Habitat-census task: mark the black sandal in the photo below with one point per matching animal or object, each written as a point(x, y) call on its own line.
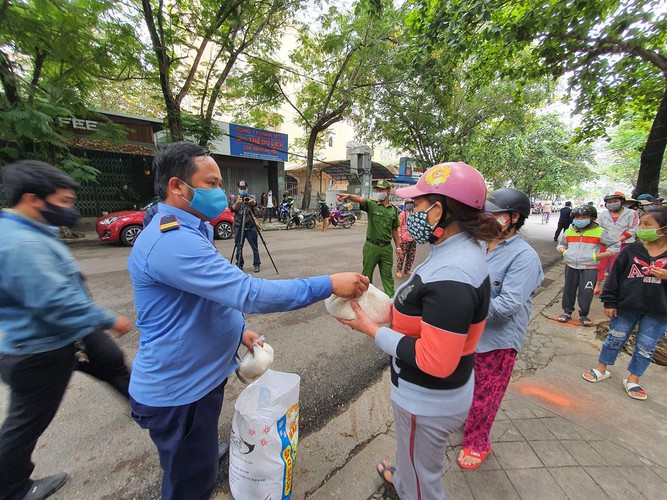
point(384, 467)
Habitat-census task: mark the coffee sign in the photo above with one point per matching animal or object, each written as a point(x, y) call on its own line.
point(78, 123)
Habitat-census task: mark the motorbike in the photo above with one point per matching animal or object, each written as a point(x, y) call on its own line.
point(302, 219)
point(345, 219)
point(284, 211)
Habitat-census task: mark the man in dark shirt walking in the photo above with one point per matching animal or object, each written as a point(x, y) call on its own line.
point(564, 220)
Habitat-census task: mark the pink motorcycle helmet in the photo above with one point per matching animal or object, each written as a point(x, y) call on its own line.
point(456, 180)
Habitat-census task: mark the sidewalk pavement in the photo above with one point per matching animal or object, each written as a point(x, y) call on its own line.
point(555, 437)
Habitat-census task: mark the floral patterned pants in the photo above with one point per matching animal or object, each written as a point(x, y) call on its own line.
point(406, 255)
point(493, 370)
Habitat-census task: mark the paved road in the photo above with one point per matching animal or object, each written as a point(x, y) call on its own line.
point(108, 456)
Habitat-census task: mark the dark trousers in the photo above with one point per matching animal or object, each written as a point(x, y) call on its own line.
point(579, 283)
point(37, 384)
point(268, 212)
point(186, 438)
point(251, 238)
point(562, 226)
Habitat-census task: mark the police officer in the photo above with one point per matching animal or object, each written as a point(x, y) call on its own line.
point(190, 302)
point(243, 206)
point(382, 228)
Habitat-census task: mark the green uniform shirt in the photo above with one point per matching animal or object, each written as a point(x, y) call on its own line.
point(381, 221)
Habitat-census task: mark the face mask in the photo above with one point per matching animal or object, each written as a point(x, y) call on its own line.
point(648, 234)
point(418, 227)
point(380, 196)
point(60, 216)
point(409, 207)
point(270, 193)
point(581, 223)
point(614, 207)
point(243, 192)
point(504, 220)
point(208, 202)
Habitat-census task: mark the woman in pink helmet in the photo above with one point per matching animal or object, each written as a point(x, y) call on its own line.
point(437, 318)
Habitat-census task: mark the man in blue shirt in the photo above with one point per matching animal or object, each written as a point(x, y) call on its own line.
point(49, 326)
point(190, 303)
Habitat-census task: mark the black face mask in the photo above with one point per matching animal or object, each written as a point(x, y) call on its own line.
point(60, 216)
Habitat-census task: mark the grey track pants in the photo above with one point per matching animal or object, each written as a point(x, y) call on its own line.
point(421, 443)
point(579, 283)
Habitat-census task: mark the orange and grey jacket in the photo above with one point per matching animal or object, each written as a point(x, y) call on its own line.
point(582, 246)
point(437, 319)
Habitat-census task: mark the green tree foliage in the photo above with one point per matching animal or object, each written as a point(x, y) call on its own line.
point(197, 45)
point(329, 69)
point(539, 158)
point(613, 53)
point(53, 54)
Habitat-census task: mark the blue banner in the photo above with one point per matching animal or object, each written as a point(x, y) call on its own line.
point(251, 142)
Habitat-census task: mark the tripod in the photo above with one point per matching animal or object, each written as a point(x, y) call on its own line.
point(240, 242)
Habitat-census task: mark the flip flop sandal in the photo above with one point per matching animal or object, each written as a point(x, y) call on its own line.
point(468, 453)
point(564, 318)
point(594, 375)
point(585, 321)
point(384, 467)
point(635, 391)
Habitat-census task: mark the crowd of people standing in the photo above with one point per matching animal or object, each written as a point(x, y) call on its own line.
point(458, 320)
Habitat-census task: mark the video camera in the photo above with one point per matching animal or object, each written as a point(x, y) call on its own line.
point(246, 199)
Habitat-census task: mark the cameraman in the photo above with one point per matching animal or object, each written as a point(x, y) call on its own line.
point(243, 206)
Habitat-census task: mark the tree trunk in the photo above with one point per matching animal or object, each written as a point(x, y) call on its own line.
point(308, 187)
point(654, 151)
point(174, 119)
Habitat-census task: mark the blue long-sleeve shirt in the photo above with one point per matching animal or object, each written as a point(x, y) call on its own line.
point(190, 303)
point(44, 303)
point(516, 272)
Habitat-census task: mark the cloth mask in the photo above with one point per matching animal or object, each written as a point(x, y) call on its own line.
point(60, 216)
point(243, 192)
point(504, 220)
point(208, 202)
point(614, 207)
point(418, 227)
point(581, 223)
point(649, 234)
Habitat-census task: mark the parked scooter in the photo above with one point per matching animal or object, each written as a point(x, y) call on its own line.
point(345, 219)
point(302, 219)
point(284, 211)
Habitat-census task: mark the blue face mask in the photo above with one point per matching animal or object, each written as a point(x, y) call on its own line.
point(409, 207)
point(581, 223)
point(208, 202)
point(243, 192)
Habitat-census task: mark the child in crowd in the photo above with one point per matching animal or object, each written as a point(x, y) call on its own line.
point(636, 292)
point(406, 254)
point(580, 246)
point(621, 225)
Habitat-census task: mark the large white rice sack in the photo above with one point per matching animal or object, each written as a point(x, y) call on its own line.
point(374, 302)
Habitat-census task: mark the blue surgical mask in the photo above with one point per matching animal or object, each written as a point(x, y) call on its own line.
point(208, 202)
point(409, 207)
point(581, 223)
point(243, 192)
point(418, 227)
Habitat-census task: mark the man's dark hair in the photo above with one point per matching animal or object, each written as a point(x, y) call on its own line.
point(35, 177)
point(175, 160)
point(568, 203)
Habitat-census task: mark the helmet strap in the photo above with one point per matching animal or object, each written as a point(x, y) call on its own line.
point(440, 226)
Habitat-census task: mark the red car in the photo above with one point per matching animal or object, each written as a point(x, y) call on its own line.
point(125, 226)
